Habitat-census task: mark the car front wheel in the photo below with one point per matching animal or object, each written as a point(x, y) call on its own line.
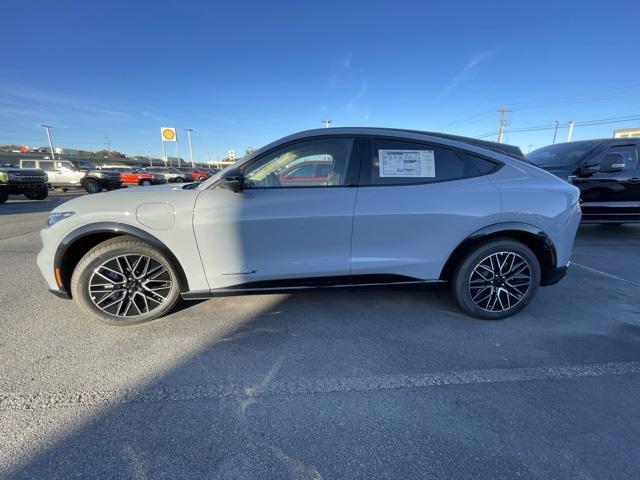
point(125, 281)
point(496, 279)
point(92, 186)
point(39, 194)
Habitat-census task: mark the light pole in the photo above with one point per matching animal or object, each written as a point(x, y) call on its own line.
point(47, 128)
point(327, 123)
point(189, 130)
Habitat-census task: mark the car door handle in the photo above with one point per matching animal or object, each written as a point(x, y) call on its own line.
point(634, 180)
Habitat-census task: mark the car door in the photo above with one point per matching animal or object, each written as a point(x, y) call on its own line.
point(612, 190)
point(281, 234)
point(416, 203)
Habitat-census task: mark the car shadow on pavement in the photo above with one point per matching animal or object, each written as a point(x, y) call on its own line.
point(295, 388)
point(205, 417)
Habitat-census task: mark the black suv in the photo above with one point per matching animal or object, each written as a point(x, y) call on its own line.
point(606, 171)
point(15, 181)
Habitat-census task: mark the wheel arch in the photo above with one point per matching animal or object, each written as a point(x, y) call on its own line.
point(79, 241)
point(533, 237)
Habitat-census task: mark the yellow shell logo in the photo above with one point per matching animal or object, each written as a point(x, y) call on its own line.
point(168, 134)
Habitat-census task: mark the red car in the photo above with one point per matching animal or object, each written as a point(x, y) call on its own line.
point(134, 175)
point(306, 173)
point(198, 175)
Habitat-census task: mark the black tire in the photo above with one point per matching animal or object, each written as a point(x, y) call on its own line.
point(106, 252)
point(92, 186)
point(508, 294)
point(4, 196)
point(179, 180)
point(145, 183)
point(40, 194)
point(64, 189)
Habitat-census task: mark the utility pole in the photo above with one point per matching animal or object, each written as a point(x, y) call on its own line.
point(570, 134)
point(327, 123)
point(189, 130)
point(47, 128)
point(555, 132)
point(149, 158)
point(502, 122)
point(107, 144)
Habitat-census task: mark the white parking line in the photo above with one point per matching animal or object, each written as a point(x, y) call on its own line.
point(43, 400)
point(605, 274)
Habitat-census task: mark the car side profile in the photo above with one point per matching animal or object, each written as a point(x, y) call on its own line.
point(397, 208)
point(607, 172)
point(172, 174)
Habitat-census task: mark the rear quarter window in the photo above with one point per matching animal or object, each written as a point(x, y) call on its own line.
point(398, 162)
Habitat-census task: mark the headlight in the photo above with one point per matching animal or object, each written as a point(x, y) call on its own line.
point(4, 177)
point(56, 217)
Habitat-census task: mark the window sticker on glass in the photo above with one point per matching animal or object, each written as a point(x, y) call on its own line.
point(406, 163)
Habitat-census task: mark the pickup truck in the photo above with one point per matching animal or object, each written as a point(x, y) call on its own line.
point(607, 172)
point(15, 181)
point(65, 174)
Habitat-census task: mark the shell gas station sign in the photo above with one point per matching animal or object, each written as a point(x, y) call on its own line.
point(168, 134)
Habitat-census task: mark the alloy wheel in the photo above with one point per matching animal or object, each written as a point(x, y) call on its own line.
point(500, 281)
point(130, 285)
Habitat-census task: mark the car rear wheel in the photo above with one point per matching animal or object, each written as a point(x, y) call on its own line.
point(3, 196)
point(179, 180)
point(40, 194)
point(496, 279)
point(92, 186)
point(125, 281)
point(145, 183)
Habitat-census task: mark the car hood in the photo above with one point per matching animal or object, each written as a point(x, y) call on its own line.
point(561, 171)
point(125, 201)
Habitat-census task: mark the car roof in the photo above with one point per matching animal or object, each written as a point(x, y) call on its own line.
point(409, 134)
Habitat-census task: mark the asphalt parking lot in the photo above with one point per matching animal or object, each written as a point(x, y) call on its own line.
point(326, 384)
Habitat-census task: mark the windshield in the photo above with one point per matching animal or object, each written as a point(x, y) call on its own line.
point(84, 164)
point(560, 154)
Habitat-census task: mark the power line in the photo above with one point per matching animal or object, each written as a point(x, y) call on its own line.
point(601, 121)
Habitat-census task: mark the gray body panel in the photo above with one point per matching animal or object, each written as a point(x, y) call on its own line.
point(222, 239)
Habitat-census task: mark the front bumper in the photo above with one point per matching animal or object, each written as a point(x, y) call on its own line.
point(19, 188)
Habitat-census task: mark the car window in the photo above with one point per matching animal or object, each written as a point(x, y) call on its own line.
point(560, 154)
point(63, 165)
point(271, 171)
point(628, 153)
point(323, 170)
point(307, 170)
point(28, 164)
point(47, 166)
point(395, 162)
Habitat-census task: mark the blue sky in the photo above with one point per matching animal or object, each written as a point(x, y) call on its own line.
point(244, 73)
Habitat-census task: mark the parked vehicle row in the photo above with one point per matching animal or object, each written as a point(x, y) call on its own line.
point(66, 174)
point(377, 207)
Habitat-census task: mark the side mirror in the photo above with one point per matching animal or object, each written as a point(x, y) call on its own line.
point(613, 162)
point(232, 180)
point(588, 169)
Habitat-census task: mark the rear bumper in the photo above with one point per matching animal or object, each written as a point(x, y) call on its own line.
point(60, 293)
point(553, 276)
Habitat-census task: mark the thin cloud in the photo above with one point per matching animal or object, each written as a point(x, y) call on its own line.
point(41, 98)
point(347, 61)
point(363, 91)
point(466, 71)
